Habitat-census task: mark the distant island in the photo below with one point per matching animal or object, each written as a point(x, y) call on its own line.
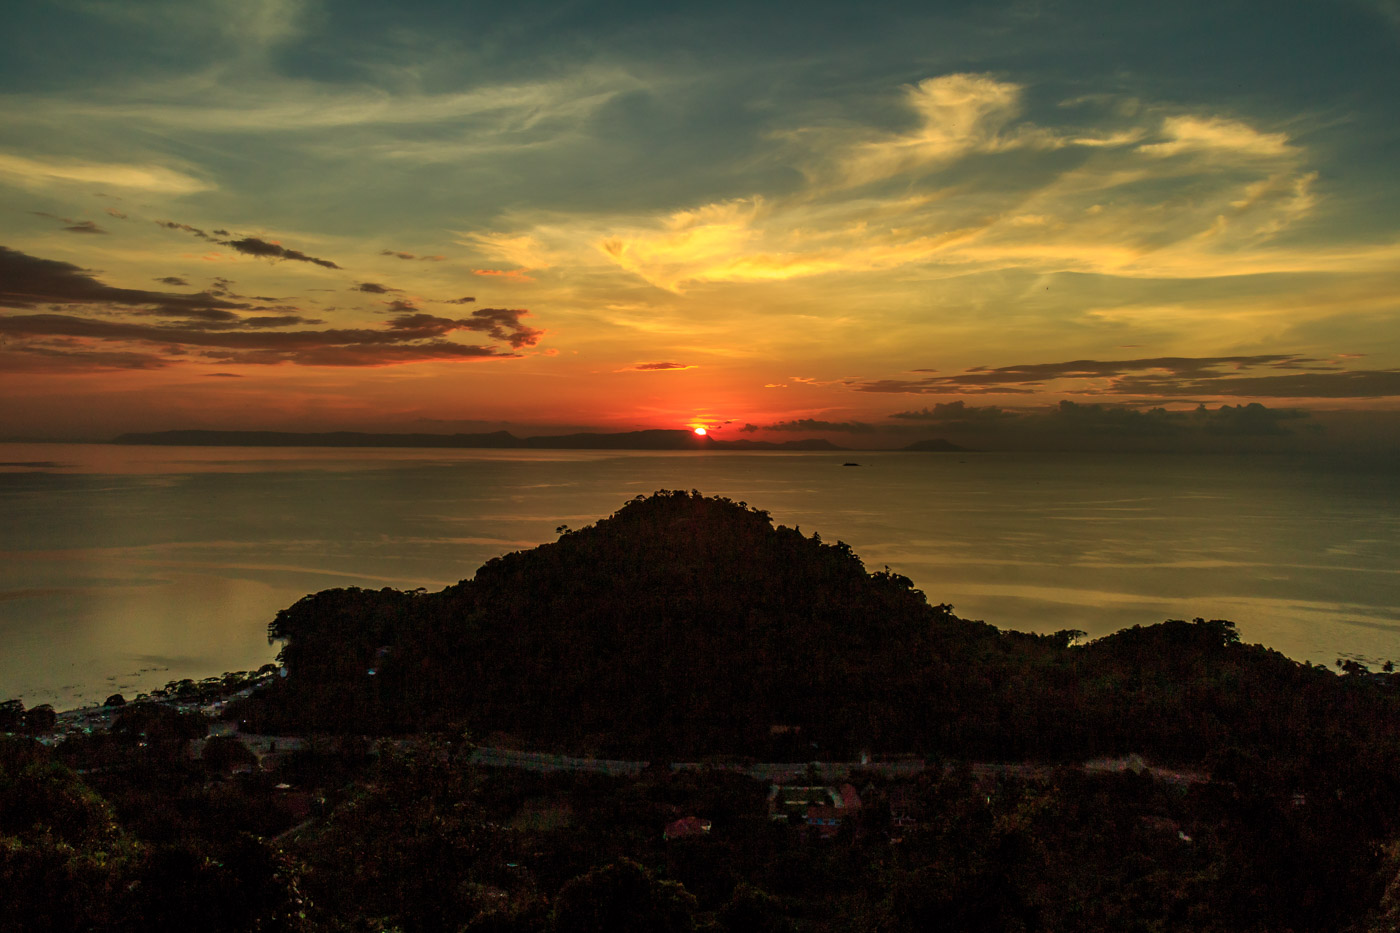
point(492, 440)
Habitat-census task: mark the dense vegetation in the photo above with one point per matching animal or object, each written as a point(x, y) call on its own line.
point(685, 626)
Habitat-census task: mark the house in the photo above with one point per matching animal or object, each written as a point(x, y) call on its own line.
point(827, 818)
point(825, 808)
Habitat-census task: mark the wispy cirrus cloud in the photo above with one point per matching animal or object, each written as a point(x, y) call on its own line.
point(509, 114)
point(1151, 193)
point(958, 114)
point(153, 178)
point(657, 367)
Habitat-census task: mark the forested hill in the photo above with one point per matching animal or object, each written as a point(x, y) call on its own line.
point(687, 625)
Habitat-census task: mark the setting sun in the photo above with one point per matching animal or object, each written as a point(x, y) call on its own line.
point(701, 431)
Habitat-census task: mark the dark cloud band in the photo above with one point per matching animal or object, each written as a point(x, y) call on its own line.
point(210, 327)
point(1292, 377)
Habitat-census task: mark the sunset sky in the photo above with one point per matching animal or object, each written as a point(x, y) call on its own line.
point(866, 222)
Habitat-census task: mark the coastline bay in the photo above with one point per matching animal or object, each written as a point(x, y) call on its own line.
point(124, 568)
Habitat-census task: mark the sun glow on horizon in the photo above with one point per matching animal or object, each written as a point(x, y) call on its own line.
point(701, 431)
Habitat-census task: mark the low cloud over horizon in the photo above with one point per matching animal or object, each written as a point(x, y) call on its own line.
point(1109, 420)
point(1302, 377)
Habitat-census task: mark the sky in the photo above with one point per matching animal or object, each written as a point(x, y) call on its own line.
point(1023, 222)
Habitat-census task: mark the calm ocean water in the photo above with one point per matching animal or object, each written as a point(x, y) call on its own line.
point(122, 568)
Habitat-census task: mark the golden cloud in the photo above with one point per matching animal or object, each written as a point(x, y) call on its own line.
point(1205, 196)
point(156, 178)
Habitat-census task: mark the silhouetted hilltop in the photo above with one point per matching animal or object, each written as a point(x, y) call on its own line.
point(680, 622)
point(504, 440)
point(684, 625)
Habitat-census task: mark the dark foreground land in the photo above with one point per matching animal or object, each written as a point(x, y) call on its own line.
point(1162, 778)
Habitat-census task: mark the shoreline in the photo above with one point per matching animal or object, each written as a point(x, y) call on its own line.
point(207, 697)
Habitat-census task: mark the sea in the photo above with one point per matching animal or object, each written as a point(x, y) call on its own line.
point(123, 568)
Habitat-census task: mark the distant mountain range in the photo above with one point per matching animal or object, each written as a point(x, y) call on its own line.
point(493, 440)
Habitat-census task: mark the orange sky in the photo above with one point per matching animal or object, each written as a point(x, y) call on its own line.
point(301, 216)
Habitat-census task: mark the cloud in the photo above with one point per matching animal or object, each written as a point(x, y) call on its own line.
point(249, 245)
point(277, 320)
point(153, 178)
point(209, 328)
point(172, 280)
point(958, 114)
point(409, 338)
point(1097, 420)
point(1373, 383)
point(1011, 378)
point(430, 351)
point(655, 367)
point(1147, 191)
point(41, 360)
point(286, 105)
point(1252, 420)
point(466, 300)
point(410, 256)
point(516, 275)
point(28, 281)
point(1189, 133)
point(1307, 377)
point(519, 249)
point(956, 414)
point(374, 288)
point(250, 26)
point(74, 226)
point(253, 246)
point(503, 324)
point(193, 231)
point(812, 424)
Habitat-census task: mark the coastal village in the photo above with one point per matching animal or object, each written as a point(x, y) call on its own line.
point(530, 826)
point(412, 774)
point(817, 795)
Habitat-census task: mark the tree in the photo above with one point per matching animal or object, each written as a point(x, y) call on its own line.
point(623, 897)
point(753, 910)
point(12, 716)
point(225, 753)
point(40, 720)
